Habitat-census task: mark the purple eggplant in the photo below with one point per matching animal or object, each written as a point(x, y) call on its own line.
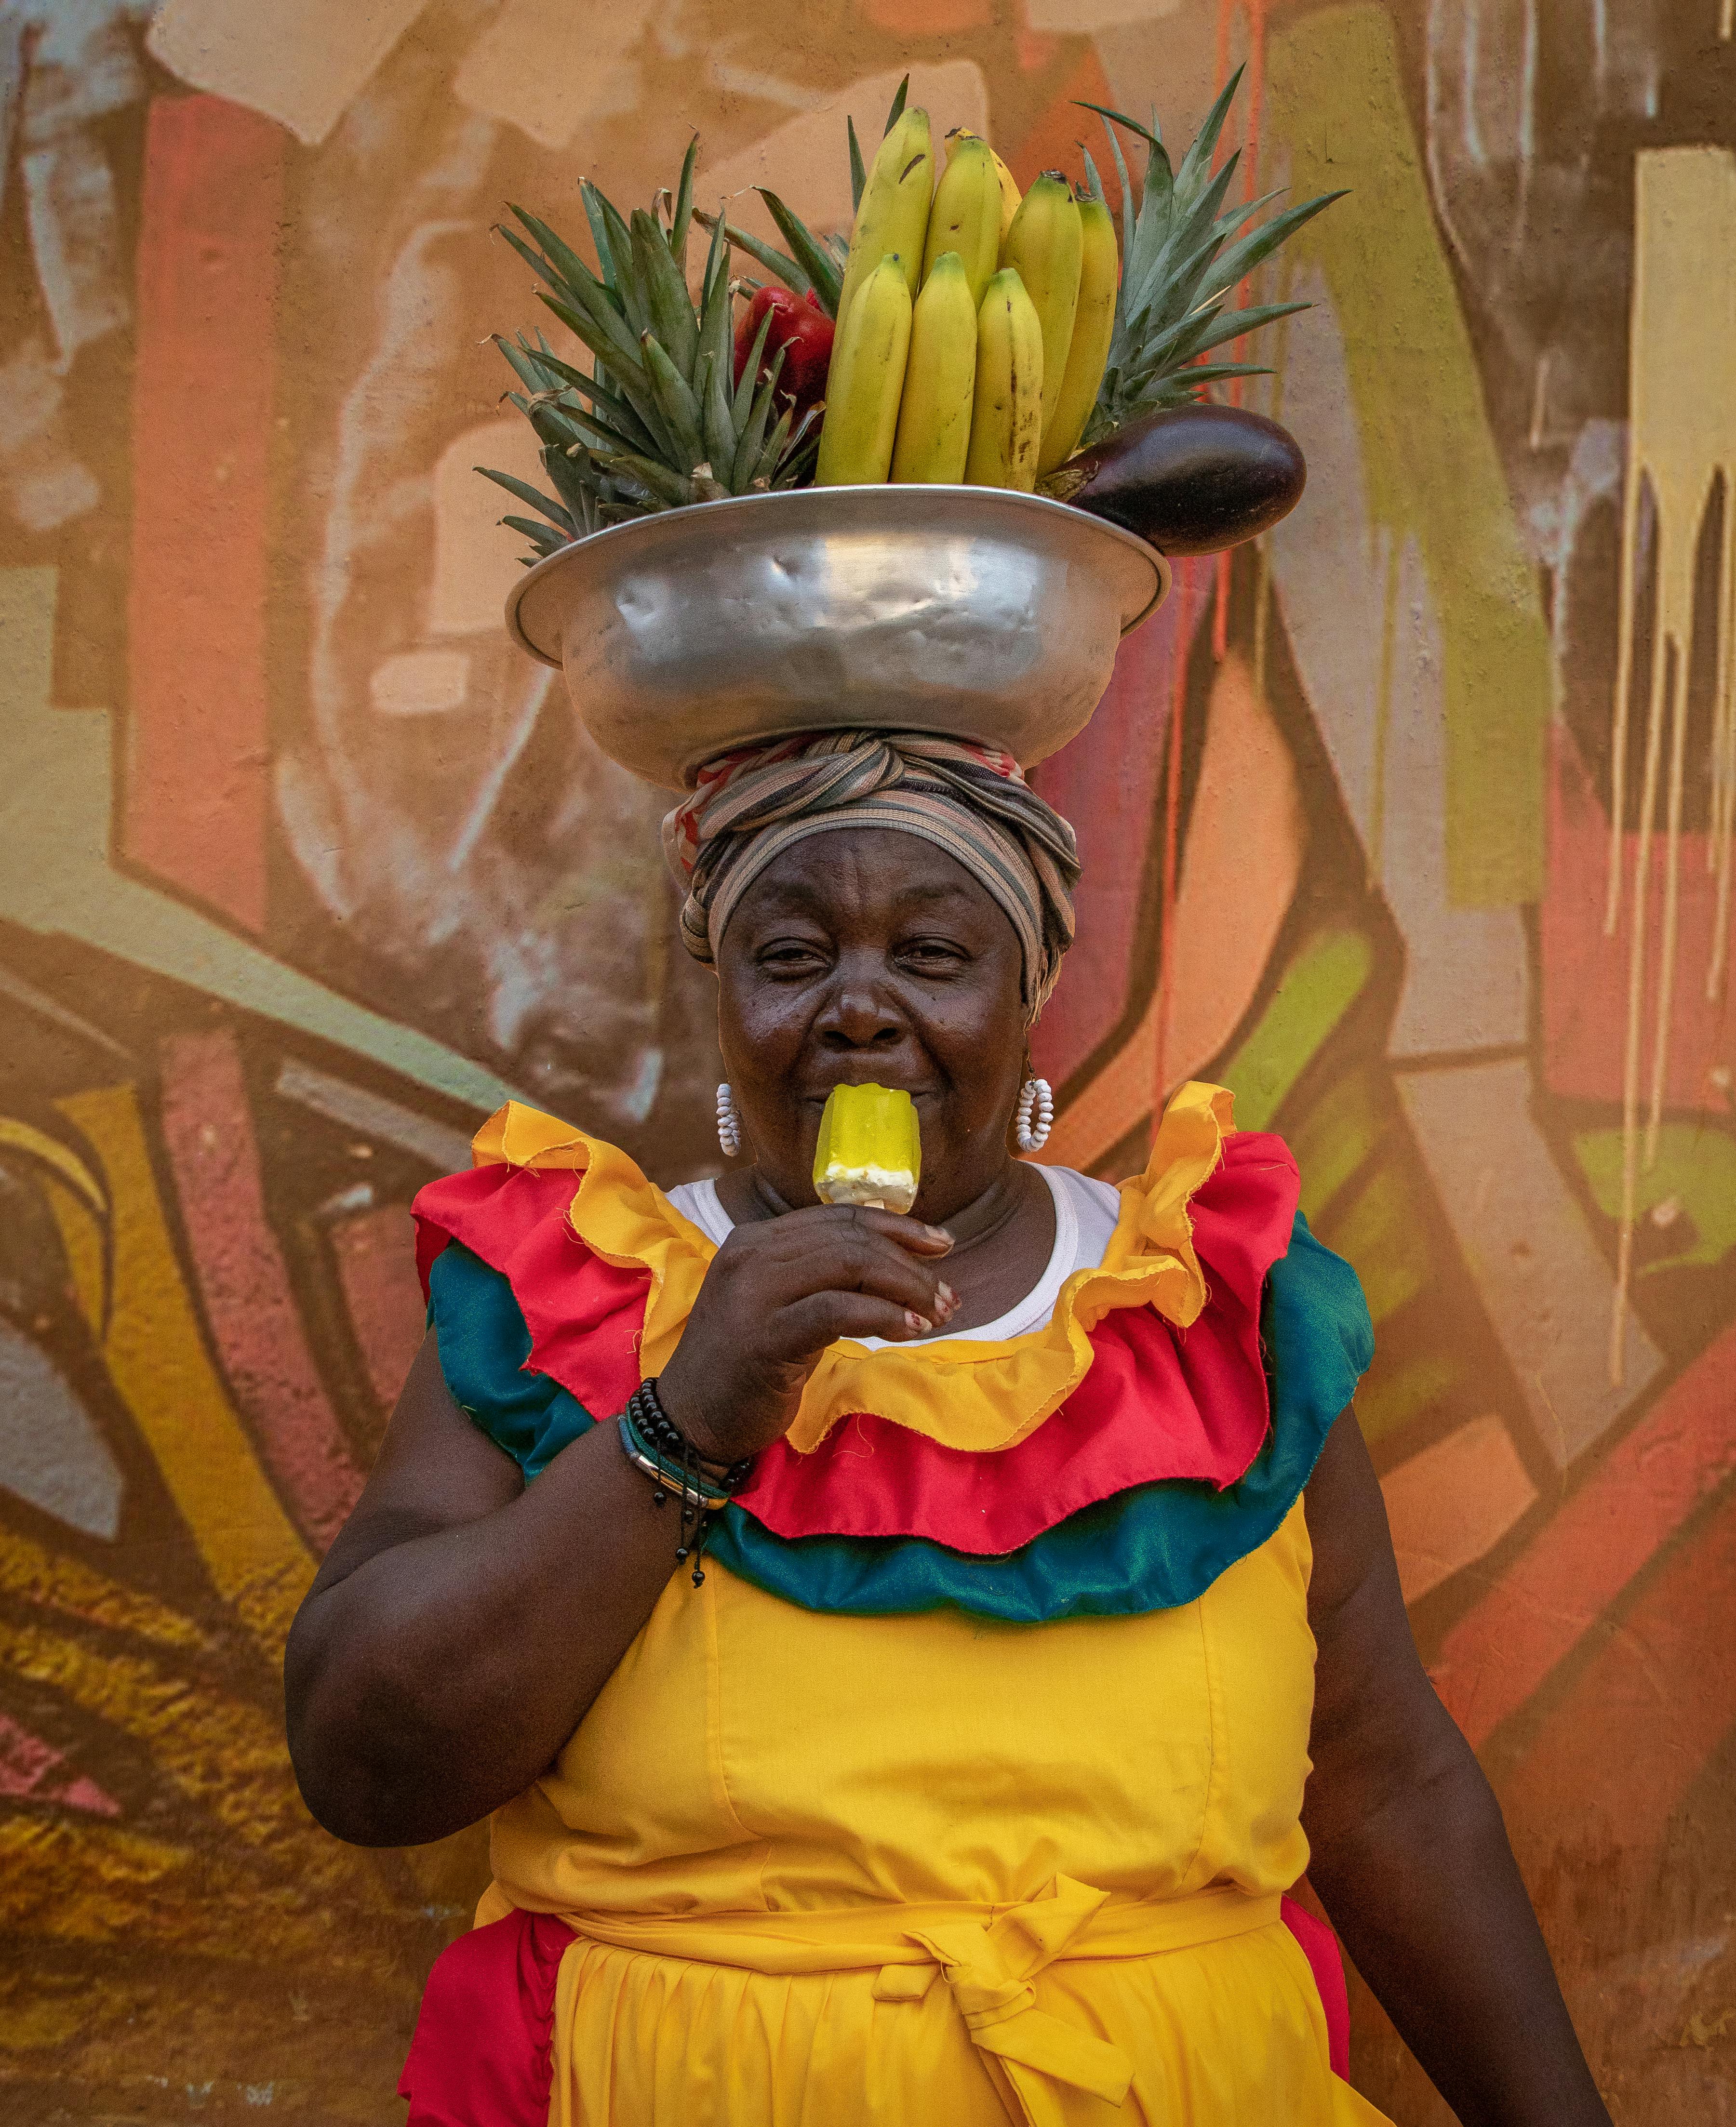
point(1189, 480)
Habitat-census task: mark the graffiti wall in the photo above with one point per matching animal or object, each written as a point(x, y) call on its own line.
point(1412, 823)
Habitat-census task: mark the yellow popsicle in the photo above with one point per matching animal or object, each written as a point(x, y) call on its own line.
point(871, 1148)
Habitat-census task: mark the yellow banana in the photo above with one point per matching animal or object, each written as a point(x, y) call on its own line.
point(866, 381)
point(893, 214)
point(1006, 412)
point(966, 216)
point(1046, 244)
point(1008, 182)
point(1094, 328)
point(940, 377)
point(1010, 200)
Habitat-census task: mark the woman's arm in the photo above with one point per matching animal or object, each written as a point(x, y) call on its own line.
point(462, 1623)
point(1411, 1858)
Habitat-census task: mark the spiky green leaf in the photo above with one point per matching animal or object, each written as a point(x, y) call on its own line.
point(1197, 160)
point(719, 421)
point(670, 488)
point(777, 264)
point(551, 509)
point(672, 323)
point(1236, 264)
point(591, 199)
point(683, 217)
point(814, 258)
point(753, 432)
point(767, 461)
point(675, 401)
point(743, 403)
point(615, 244)
point(544, 538)
point(858, 169)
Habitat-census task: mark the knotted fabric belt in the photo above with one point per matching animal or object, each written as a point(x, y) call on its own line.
point(989, 1956)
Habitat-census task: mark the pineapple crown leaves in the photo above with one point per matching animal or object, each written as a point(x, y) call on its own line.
point(659, 421)
point(817, 266)
point(1182, 256)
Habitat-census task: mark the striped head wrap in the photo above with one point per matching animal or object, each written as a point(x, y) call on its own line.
point(970, 801)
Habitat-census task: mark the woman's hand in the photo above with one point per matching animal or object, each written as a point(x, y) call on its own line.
point(777, 1293)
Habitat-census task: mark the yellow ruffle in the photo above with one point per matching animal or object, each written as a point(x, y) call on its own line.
point(964, 1394)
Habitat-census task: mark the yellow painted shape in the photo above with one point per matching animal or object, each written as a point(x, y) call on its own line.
point(225, 1755)
point(157, 1357)
point(58, 1583)
point(1377, 1231)
point(82, 1883)
point(25, 1137)
point(70, 1881)
point(1337, 103)
point(43, 2021)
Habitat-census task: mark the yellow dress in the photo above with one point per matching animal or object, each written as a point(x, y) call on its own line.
point(829, 1869)
point(835, 1870)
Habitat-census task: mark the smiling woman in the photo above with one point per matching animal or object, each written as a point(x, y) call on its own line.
point(1030, 1573)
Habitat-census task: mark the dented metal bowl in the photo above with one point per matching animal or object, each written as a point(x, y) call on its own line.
point(971, 611)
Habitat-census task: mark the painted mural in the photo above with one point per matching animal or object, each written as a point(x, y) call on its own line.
point(1412, 823)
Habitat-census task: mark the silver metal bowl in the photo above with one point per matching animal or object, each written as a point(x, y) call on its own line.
point(971, 611)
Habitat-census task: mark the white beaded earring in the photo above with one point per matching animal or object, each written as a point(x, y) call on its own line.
point(1035, 1115)
point(729, 1124)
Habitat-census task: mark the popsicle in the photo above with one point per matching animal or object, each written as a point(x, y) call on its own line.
point(871, 1148)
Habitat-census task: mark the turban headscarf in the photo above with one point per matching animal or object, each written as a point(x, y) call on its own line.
point(970, 801)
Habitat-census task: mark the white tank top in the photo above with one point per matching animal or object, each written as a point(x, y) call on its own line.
point(1085, 1214)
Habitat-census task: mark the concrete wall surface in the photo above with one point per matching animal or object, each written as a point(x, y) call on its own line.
point(1411, 822)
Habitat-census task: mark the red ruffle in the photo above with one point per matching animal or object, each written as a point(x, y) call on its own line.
point(584, 1315)
point(1158, 1403)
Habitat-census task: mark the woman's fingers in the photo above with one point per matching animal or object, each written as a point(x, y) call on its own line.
point(823, 1317)
point(850, 1259)
point(777, 1294)
point(794, 1235)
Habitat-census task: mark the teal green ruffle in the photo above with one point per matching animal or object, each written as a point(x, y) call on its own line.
point(484, 1343)
point(1151, 1548)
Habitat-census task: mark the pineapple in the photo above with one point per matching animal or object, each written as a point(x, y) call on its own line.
point(1179, 267)
point(658, 422)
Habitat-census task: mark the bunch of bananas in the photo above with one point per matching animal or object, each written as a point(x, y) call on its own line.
point(973, 326)
point(977, 336)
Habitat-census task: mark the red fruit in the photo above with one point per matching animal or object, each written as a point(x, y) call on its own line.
point(798, 324)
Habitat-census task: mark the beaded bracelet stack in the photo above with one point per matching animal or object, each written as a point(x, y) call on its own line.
point(655, 1445)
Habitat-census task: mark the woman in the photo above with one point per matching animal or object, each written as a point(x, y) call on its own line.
point(917, 1726)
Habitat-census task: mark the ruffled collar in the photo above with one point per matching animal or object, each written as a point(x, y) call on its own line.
point(968, 1394)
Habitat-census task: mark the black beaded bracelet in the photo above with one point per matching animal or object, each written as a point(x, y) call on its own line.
point(656, 1446)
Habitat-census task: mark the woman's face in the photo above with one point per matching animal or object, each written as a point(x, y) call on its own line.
point(866, 954)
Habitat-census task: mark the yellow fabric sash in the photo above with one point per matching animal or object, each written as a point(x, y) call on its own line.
point(988, 1955)
point(975, 1396)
